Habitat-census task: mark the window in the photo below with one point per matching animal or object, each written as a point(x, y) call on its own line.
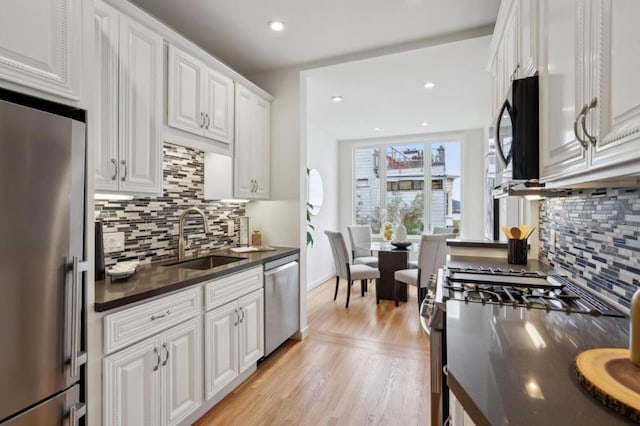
point(390, 185)
point(367, 191)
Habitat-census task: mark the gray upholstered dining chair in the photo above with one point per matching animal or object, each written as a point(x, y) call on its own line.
point(346, 270)
point(360, 236)
point(432, 255)
point(434, 231)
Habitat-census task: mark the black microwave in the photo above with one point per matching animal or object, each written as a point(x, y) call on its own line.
point(516, 131)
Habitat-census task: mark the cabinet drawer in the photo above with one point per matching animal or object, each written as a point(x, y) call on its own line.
point(136, 323)
point(230, 287)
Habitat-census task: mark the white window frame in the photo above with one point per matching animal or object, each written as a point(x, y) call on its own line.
point(425, 140)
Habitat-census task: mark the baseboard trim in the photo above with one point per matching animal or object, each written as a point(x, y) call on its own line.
point(299, 335)
point(320, 281)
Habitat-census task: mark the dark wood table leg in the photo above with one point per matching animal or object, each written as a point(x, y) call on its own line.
point(388, 263)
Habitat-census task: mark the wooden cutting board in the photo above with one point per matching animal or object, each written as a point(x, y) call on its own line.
point(609, 375)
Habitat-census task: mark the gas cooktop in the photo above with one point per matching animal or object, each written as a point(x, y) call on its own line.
point(521, 288)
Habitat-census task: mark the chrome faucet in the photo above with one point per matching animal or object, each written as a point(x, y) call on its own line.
point(181, 228)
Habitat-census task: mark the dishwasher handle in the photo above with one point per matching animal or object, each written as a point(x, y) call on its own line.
point(280, 268)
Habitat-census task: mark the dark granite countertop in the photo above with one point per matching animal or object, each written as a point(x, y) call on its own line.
point(516, 366)
point(153, 279)
point(457, 242)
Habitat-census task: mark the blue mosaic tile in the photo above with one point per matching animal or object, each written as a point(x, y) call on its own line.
point(597, 239)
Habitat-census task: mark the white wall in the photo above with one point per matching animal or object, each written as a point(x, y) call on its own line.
point(322, 154)
point(473, 141)
point(278, 219)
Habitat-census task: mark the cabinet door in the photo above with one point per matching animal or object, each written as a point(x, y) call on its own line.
point(511, 44)
point(243, 182)
point(218, 107)
point(528, 37)
point(618, 111)
point(185, 92)
point(105, 113)
point(40, 42)
point(182, 370)
point(562, 83)
point(261, 137)
point(221, 348)
point(251, 308)
point(132, 385)
point(140, 104)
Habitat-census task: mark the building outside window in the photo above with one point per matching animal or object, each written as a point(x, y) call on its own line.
point(390, 186)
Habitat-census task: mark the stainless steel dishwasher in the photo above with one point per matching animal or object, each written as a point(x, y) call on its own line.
point(281, 301)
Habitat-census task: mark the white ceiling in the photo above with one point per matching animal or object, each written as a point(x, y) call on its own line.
point(236, 31)
point(387, 92)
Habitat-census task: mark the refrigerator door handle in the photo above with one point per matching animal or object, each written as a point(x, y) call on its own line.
point(76, 412)
point(77, 358)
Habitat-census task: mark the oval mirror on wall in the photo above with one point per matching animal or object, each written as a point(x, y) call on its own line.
point(314, 192)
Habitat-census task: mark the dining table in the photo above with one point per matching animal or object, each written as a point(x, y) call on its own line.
point(390, 260)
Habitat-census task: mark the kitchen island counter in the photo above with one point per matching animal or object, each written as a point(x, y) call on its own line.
point(154, 279)
point(516, 366)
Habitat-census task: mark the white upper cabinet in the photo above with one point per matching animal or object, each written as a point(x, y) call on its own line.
point(105, 113)
point(40, 45)
point(590, 110)
point(140, 108)
point(252, 145)
point(613, 121)
point(563, 90)
point(129, 104)
point(185, 93)
point(513, 47)
point(199, 99)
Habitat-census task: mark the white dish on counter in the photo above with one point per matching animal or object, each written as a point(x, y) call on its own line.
point(123, 270)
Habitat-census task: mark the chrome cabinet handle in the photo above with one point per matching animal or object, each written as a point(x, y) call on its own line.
point(445, 370)
point(237, 317)
point(584, 143)
point(115, 169)
point(165, 314)
point(76, 412)
point(125, 169)
point(208, 121)
point(201, 120)
point(164, 346)
point(242, 317)
point(155, 351)
point(592, 104)
point(78, 268)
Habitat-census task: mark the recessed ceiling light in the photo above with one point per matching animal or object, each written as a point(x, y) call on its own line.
point(429, 85)
point(336, 98)
point(376, 129)
point(276, 25)
point(424, 124)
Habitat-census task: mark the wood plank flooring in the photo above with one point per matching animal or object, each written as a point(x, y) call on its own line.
point(367, 364)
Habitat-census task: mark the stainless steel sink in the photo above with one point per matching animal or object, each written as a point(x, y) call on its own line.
point(204, 263)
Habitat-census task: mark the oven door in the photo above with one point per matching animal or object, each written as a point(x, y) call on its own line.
point(432, 321)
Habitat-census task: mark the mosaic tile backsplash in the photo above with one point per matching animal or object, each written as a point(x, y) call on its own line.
point(597, 239)
point(150, 224)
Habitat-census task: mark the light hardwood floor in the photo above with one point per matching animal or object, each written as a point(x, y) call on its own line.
point(364, 365)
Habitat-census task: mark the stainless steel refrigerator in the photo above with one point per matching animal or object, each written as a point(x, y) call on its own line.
point(42, 207)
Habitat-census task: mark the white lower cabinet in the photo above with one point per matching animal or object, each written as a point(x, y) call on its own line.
point(234, 340)
point(157, 381)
